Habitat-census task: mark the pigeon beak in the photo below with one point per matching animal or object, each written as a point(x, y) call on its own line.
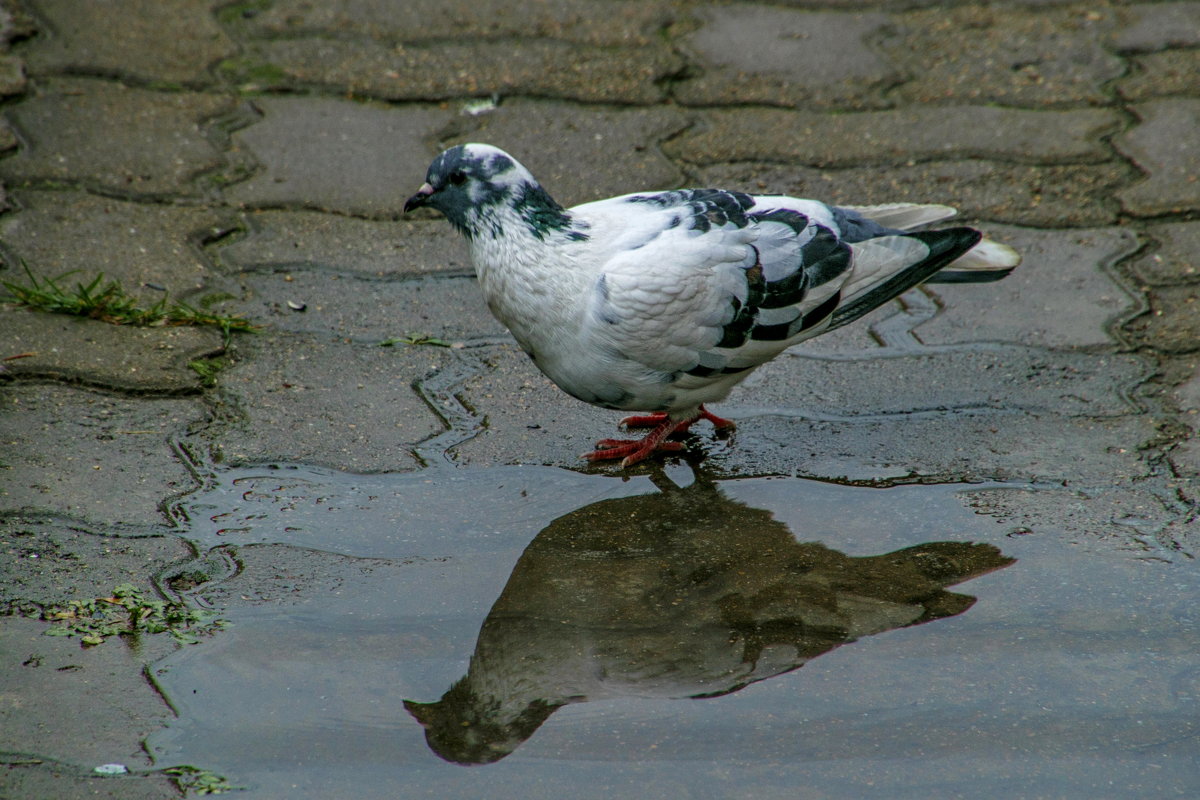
point(418, 199)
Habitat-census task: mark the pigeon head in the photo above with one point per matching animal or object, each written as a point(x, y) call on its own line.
point(481, 189)
point(465, 181)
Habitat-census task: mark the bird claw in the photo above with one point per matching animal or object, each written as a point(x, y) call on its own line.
point(630, 451)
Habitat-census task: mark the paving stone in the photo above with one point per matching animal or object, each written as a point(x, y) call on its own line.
point(1187, 397)
point(1062, 294)
point(1071, 195)
point(941, 447)
point(46, 562)
point(91, 455)
point(752, 53)
point(1003, 53)
point(1173, 322)
point(145, 40)
point(889, 381)
point(276, 575)
point(337, 155)
point(43, 778)
point(577, 153)
point(1185, 460)
point(611, 23)
point(77, 706)
point(15, 24)
point(108, 136)
point(453, 69)
point(277, 240)
point(1176, 259)
point(284, 406)
point(12, 76)
point(1089, 514)
point(529, 421)
point(8, 142)
point(135, 244)
point(1154, 26)
point(1166, 145)
point(1171, 72)
point(368, 311)
point(924, 133)
point(101, 354)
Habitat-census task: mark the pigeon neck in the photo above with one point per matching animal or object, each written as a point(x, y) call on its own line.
point(528, 213)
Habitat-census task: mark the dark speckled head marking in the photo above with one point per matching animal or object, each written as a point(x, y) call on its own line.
point(469, 183)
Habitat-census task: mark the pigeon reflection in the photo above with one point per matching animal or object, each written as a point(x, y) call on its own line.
point(681, 594)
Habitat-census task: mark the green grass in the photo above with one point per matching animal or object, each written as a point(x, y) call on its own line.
point(109, 302)
point(193, 780)
point(126, 612)
point(416, 339)
point(208, 369)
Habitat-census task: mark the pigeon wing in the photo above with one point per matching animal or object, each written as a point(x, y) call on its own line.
point(725, 283)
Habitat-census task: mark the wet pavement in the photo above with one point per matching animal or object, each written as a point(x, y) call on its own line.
point(402, 538)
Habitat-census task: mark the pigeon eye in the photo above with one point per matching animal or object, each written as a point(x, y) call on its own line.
point(458, 177)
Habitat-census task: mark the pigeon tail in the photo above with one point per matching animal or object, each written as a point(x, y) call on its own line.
point(945, 246)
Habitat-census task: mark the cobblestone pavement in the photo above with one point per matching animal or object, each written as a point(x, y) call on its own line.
point(253, 158)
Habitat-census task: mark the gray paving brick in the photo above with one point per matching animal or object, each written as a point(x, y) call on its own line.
point(72, 720)
point(278, 240)
point(336, 155)
point(1174, 260)
point(611, 23)
point(923, 133)
point(1155, 26)
point(122, 140)
point(536, 67)
point(531, 421)
point(92, 455)
point(581, 153)
point(1008, 447)
point(367, 310)
point(1173, 321)
point(64, 782)
point(52, 562)
point(1062, 294)
point(101, 354)
point(750, 53)
point(1020, 194)
point(8, 139)
point(146, 40)
point(998, 378)
point(1170, 72)
point(284, 404)
point(12, 76)
point(1166, 145)
point(1003, 53)
point(58, 232)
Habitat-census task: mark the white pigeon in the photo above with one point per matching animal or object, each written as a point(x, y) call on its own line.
point(663, 301)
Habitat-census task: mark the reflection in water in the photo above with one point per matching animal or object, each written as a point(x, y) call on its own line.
point(681, 594)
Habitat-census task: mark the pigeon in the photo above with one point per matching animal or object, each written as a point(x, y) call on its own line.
point(660, 302)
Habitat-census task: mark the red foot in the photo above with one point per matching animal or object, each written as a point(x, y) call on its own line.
point(657, 418)
point(631, 451)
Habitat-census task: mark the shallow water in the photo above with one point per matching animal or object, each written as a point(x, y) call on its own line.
point(536, 632)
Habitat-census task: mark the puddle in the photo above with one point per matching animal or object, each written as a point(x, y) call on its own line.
point(534, 632)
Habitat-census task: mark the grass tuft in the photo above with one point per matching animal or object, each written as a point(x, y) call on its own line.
point(127, 611)
point(109, 302)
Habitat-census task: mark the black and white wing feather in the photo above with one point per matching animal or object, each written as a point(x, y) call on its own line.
point(705, 285)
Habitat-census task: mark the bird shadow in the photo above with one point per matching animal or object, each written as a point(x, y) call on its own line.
point(683, 593)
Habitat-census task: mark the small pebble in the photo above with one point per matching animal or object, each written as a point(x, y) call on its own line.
point(111, 769)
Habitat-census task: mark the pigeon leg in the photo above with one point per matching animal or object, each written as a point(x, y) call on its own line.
point(631, 451)
point(657, 418)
